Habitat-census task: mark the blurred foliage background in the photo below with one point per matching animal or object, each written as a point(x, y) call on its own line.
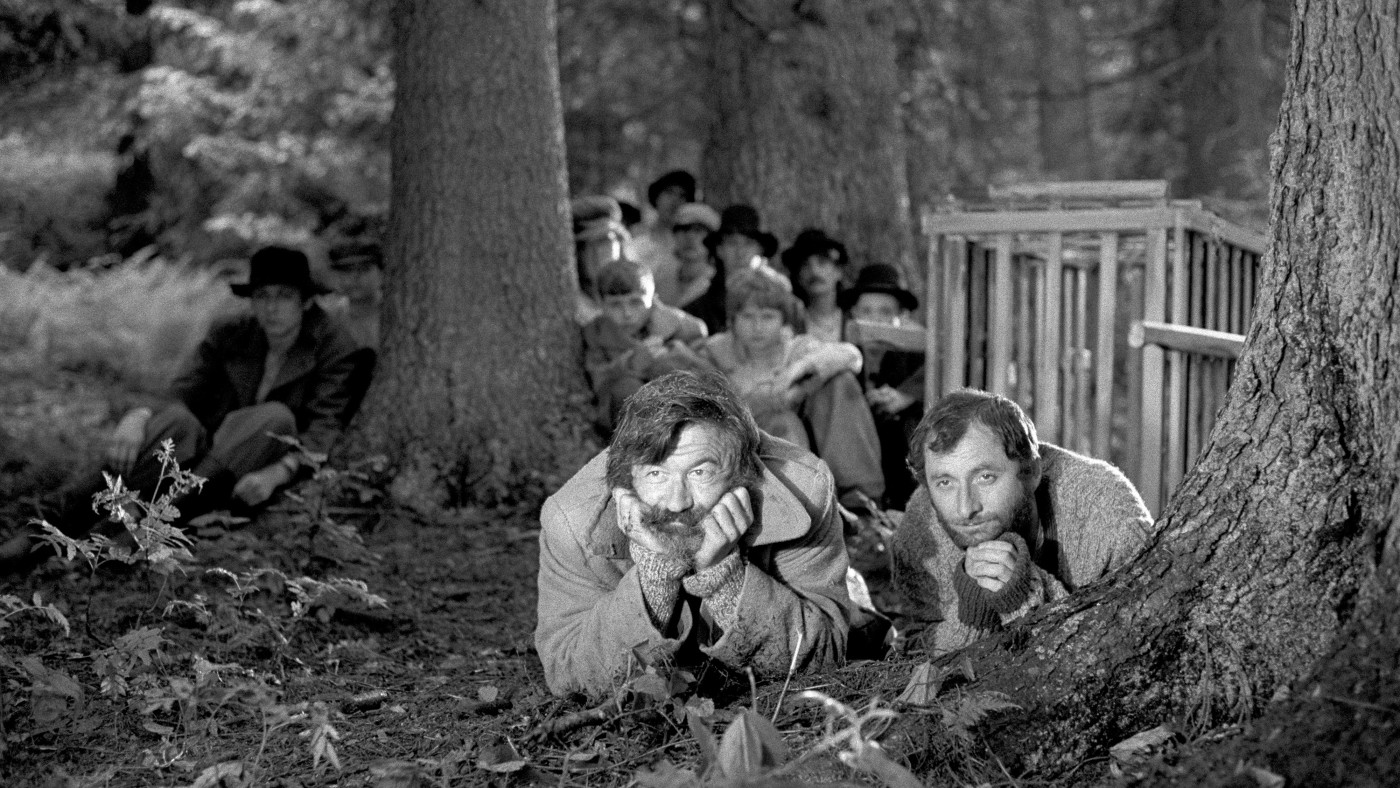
point(204, 127)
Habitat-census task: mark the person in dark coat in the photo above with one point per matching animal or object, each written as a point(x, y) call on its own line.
point(893, 380)
point(286, 369)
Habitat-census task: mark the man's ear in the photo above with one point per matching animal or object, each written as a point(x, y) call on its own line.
point(1031, 474)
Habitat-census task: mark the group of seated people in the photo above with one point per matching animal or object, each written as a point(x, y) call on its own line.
point(699, 289)
point(742, 428)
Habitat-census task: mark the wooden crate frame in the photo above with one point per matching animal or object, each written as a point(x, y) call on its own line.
point(1081, 271)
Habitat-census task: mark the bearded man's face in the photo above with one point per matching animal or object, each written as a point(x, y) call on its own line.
point(679, 491)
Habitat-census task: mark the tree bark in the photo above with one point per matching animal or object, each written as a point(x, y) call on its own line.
point(1276, 560)
point(479, 377)
point(806, 125)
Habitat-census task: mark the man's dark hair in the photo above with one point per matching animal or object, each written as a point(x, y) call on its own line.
point(947, 421)
point(653, 417)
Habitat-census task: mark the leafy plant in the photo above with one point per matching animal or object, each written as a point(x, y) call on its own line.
point(315, 500)
point(159, 544)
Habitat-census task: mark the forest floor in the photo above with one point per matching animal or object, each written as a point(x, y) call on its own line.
point(258, 665)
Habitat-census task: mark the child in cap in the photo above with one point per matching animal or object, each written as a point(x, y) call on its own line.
point(635, 338)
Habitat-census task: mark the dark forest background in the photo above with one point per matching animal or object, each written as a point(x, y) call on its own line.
point(209, 126)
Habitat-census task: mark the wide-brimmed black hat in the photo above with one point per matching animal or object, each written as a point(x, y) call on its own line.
point(675, 178)
point(813, 242)
point(743, 220)
point(879, 278)
point(278, 265)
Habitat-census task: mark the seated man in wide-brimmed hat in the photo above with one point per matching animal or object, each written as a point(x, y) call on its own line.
point(285, 369)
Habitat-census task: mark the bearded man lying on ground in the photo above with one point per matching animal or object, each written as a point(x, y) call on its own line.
point(1002, 523)
point(693, 536)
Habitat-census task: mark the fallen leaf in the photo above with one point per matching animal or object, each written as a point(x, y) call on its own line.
point(923, 686)
point(501, 758)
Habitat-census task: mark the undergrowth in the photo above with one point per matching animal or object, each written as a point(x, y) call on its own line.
point(174, 691)
point(134, 323)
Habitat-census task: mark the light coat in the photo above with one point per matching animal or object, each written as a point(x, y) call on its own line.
point(592, 612)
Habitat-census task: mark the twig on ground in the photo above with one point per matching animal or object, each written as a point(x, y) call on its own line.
point(575, 720)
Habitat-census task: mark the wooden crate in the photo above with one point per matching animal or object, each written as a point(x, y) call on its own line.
point(1033, 294)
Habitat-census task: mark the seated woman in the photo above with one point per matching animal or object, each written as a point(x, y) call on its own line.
point(893, 379)
point(799, 388)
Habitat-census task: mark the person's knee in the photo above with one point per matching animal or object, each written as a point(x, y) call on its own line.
point(174, 420)
point(273, 417)
point(177, 423)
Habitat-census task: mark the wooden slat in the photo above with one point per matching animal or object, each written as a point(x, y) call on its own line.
point(908, 338)
point(1218, 297)
point(1092, 220)
point(1194, 315)
point(955, 281)
point(1083, 361)
point(979, 283)
point(1154, 308)
point(1188, 339)
point(999, 322)
point(1129, 454)
point(1177, 371)
point(934, 316)
point(1023, 271)
point(1047, 376)
point(1081, 190)
point(1236, 322)
point(1103, 344)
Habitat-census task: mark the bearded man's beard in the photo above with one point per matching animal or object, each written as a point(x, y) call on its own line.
point(679, 533)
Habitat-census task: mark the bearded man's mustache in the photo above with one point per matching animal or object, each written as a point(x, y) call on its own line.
point(680, 532)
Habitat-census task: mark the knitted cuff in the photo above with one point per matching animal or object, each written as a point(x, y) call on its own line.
point(974, 605)
point(720, 586)
point(978, 607)
point(660, 577)
point(1013, 595)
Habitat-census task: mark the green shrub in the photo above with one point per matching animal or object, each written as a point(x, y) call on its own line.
point(134, 323)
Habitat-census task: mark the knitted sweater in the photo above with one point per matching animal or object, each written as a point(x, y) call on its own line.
point(1092, 521)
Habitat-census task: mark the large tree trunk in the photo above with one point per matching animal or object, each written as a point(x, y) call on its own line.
point(806, 125)
point(479, 371)
point(1277, 561)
